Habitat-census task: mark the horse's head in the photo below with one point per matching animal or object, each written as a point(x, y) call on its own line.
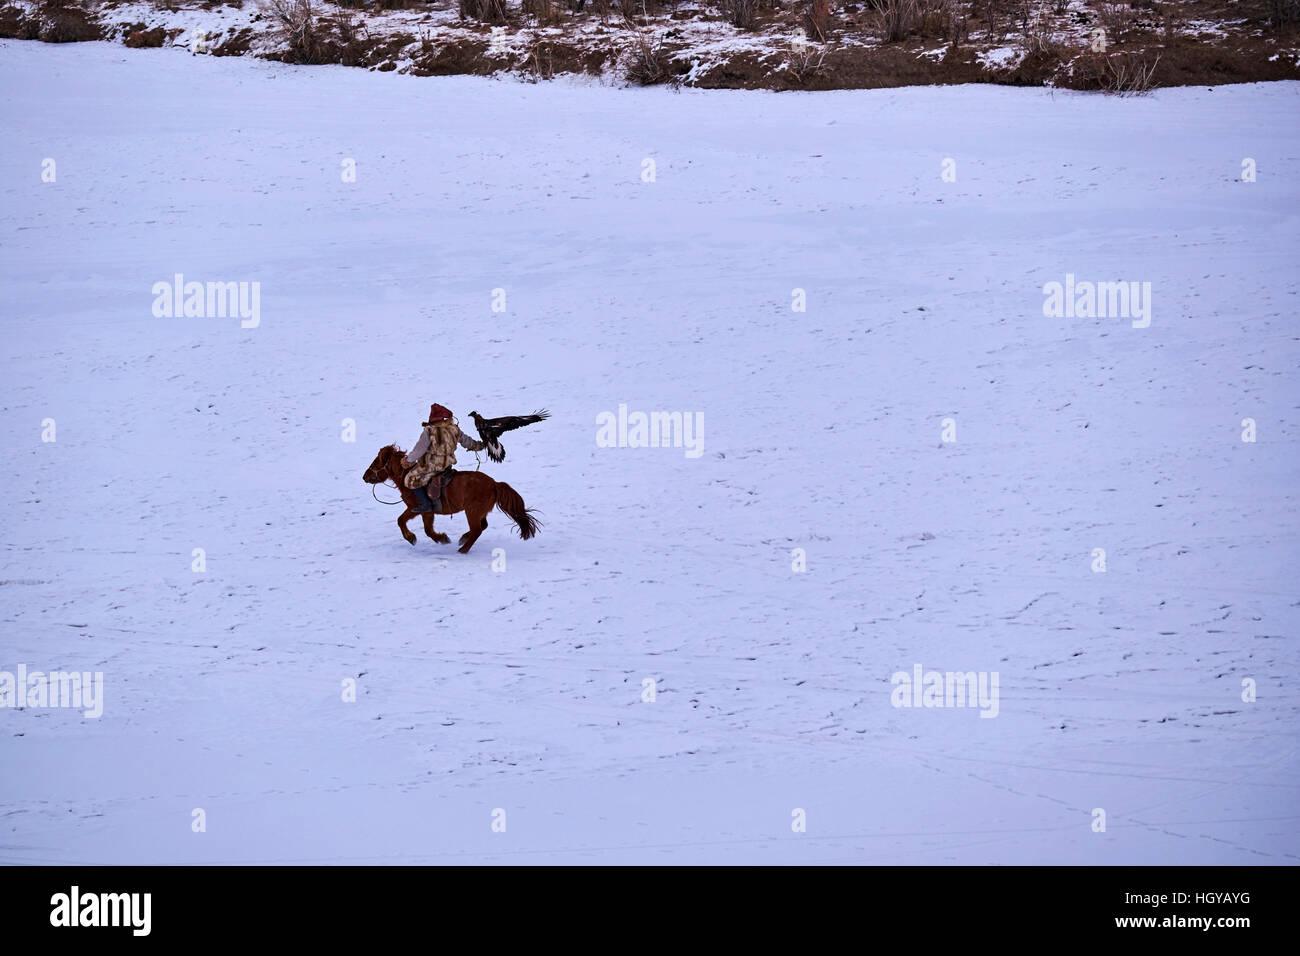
point(382, 468)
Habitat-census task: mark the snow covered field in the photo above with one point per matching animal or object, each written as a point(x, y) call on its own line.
point(522, 690)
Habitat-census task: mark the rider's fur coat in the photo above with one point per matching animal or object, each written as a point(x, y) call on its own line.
point(436, 451)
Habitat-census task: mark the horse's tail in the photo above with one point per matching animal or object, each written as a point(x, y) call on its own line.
point(508, 500)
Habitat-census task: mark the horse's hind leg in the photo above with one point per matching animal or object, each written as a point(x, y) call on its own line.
point(428, 529)
point(407, 533)
point(477, 525)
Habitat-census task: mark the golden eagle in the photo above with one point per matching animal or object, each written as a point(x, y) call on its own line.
point(490, 429)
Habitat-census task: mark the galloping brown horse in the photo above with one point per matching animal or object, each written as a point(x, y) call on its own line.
point(469, 491)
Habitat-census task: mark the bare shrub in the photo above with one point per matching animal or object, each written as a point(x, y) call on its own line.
point(1037, 31)
point(956, 24)
point(742, 13)
point(488, 11)
point(648, 62)
point(1130, 74)
point(902, 19)
point(1283, 13)
point(1116, 19)
point(294, 23)
point(1123, 74)
point(545, 11)
point(819, 18)
point(999, 16)
point(806, 62)
point(540, 64)
point(897, 19)
point(351, 49)
point(933, 18)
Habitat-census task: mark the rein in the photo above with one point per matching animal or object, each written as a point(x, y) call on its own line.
point(381, 500)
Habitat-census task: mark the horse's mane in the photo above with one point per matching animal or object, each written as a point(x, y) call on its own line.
point(394, 457)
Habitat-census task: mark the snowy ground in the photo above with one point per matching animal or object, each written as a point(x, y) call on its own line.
point(522, 690)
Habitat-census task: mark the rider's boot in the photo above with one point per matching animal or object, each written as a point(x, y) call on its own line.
point(423, 504)
point(436, 487)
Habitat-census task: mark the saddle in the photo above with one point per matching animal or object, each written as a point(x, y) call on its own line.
point(438, 483)
point(429, 497)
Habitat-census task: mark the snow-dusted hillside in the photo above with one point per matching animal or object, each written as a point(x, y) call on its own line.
point(1119, 47)
point(522, 690)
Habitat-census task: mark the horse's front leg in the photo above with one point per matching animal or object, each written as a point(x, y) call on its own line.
point(407, 533)
point(428, 529)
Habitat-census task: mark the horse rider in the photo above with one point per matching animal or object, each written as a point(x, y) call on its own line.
point(434, 456)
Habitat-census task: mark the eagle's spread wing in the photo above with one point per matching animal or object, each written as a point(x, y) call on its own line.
point(490, 429)
point(498, 426)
